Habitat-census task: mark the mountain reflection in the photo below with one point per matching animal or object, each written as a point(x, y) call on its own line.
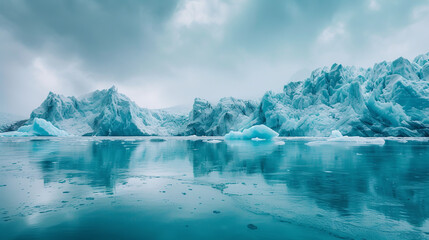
point(392, 180)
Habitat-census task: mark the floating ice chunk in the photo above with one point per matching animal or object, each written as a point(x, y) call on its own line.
point(213, 141)
point(336, 133)
point(257, 139)
point(39, 127)
point(357, 140)
point(279, 143)
point(258, 131)
point(337, 137)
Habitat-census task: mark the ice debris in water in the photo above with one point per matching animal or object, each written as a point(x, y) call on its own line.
point(253, 133)
point(39, 127)
point(212, 141)
point(337, 137)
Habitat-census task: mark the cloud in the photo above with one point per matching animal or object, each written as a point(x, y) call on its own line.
point(332, 33)
point(167, 52)
point(201, 12)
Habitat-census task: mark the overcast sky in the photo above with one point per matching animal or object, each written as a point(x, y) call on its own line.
point(165, 53)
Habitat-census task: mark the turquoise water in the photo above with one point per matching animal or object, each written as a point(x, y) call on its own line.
point(188, 188)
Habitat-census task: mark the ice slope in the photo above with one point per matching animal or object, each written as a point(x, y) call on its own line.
point(390, 99)
point(229, 114)
point(107, 113)
point(38, 127)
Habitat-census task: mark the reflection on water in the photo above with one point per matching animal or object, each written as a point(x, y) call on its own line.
point(337, 190)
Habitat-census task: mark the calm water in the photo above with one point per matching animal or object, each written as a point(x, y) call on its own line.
point(143, 188)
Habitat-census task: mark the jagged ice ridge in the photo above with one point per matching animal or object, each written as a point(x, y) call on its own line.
point(389, 99)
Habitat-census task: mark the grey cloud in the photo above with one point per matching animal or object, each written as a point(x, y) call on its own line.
point(243, 49)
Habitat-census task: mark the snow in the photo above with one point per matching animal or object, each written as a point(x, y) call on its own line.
point(258, 132)
point(39, 127)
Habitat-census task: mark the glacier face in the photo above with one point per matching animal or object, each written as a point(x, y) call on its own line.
point(107, 113)
point(229, 114)
point(389, 99)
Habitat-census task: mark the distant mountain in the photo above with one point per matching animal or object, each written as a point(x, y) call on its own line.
point(390, 99)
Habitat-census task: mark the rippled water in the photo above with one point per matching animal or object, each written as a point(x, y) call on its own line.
point(188, 188)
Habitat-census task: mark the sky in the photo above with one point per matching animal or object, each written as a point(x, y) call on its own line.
point(166, 53)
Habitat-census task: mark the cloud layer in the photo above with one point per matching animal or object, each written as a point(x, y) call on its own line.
point(163, 53)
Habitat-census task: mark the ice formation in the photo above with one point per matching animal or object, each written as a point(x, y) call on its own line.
point(38, 127)
point(258, 132)
point(107, 113)
point(389, 99)
point(229, 114)
point(337, 137)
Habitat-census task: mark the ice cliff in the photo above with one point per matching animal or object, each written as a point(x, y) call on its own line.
point(229, 114)
point(389, 99)
point(107, 113)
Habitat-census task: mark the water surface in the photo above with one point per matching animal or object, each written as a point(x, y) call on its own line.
point(188, 188)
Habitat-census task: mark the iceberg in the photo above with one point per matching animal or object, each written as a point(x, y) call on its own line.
point(258, 132)
point(107, 113)
point(390, 99)
point(39, 127)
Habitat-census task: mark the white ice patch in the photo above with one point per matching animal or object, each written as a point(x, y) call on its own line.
point(212, 141)
point(336, 137)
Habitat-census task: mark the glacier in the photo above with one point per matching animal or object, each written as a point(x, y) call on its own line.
point(38, 127)
point(107, 113)
point(390, 99)
point(229, 114)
